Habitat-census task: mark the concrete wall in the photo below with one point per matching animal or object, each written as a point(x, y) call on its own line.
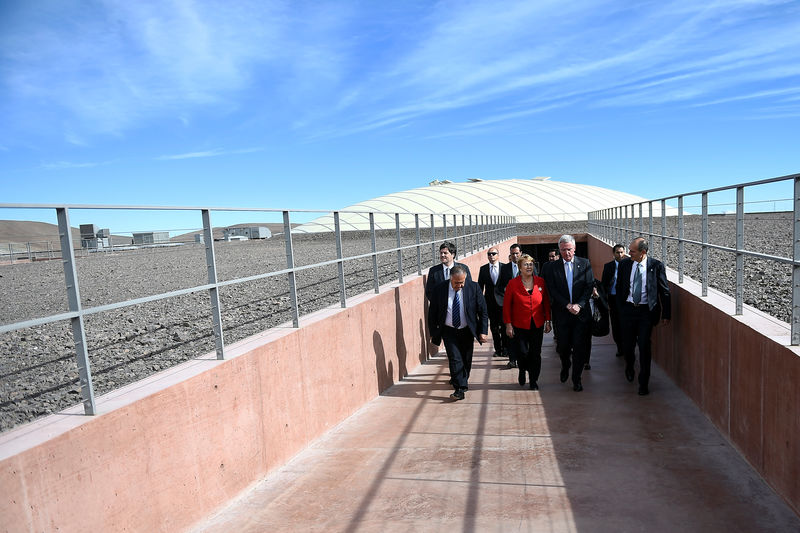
point(169, 450)
point(740, 370)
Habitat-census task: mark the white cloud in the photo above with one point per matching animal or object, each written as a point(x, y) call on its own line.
point(209, 153)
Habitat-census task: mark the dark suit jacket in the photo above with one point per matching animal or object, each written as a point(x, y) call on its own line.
point(658, 299)
point(487, 286)
point(436, 276)
point(506, 275)
point(582, 283)
point(608, 276)
point(474, 309)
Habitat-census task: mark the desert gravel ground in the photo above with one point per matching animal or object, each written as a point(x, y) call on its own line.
point(38, 372)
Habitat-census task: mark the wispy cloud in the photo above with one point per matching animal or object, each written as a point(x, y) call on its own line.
point(65, 165)
point(209, 153)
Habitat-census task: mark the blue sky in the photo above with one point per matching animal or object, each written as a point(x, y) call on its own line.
point(318, 105)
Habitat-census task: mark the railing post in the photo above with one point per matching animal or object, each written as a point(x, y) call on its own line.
point(681, 247)
point(444, 226)
point(739, 249)
point(375, 280)
point(650, 221)
point(433, 240)
point(213, 292)
point(471, 236)
point(419, 250)
point(796, 266)
point(399, 251)
point(455, 234)
point(704, 257)
point(340, 263)
point(287, 237)
point(664, 231)
point(641, 220)
point(74, 302)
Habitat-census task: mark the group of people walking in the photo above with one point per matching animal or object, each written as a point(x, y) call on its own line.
point(518, 305)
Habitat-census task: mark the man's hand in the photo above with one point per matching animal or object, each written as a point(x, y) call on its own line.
point(574, 308)
point(483, 337)
point(509, 331)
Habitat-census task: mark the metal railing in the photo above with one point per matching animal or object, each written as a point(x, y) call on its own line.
point(623, 223)
point(470, 232)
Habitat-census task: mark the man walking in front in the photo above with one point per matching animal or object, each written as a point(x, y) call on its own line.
point(457, 316)
point(643, 293)
point(569, 283)
point(487, 280)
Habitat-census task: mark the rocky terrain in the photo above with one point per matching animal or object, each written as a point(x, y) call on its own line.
point(38, 373)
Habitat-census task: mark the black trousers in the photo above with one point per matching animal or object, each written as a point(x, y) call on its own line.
point(458, 343)
point(573, 344)
point(614, 312)
point(528, 349)
point(496, 326)
point(636, 329)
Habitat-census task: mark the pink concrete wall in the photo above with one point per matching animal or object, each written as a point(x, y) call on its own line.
point(165, 458)
point(739, 371)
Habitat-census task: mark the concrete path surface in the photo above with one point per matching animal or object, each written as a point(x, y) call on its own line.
point(510, 459)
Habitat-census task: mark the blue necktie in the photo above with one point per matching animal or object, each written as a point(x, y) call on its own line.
point(569, 279)
point(457, 310)
point(637, 285)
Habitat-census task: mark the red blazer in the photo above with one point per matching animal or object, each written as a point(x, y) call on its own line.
point(519, 306)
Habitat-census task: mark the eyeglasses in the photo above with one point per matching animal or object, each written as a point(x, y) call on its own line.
point(492, 253)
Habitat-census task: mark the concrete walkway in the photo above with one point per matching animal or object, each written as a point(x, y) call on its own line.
point(510, 459)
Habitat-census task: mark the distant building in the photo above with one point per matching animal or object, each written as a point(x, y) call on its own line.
point(250, 232)
point(93, 238)
point(151, 237)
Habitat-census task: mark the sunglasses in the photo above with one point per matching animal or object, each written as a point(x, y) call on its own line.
point(492, 253)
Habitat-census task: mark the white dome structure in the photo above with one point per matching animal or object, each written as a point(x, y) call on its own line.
point(529, 200)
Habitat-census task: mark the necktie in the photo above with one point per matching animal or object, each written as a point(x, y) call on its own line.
point(637, 285)
point(569, 279)
point(614, 280)
point(457, 310)
point(446, 273)
point(494, 274)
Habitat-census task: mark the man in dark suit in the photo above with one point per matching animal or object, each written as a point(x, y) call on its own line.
point(569, 283)
point(487, 280)
point(609, 282)
point(441, 272)
point(508, 272)
point(643, 293)
point(458, 316)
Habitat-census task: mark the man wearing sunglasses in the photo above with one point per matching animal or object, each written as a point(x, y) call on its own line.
point(487, 280)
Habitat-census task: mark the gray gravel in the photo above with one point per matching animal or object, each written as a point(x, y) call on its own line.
point(38, 373)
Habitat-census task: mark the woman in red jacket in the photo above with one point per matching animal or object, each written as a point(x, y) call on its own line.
point(526, 314)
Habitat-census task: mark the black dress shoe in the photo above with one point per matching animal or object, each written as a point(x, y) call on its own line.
point(564, 374)
point(643, 391)
point(629, 373)
point(521, 378)
point(619, 354)
point(587, 366)
point(457, 395)
point(577, 387)
point(534, 385)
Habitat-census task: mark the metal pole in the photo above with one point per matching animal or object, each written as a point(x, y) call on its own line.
point(399, 251)
point(650, 221)
point(74, 302)
point(796, 266)
point(419, 250)
point(641, 220)
point(340, 264)
point(739, 248)
point(433, 240)
point(375, 280)
point(11, 252)
point(681, 247)
point(664, 231)
point(704, 258)
point(444, 226)
point(287, 237)
point(213, 292)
